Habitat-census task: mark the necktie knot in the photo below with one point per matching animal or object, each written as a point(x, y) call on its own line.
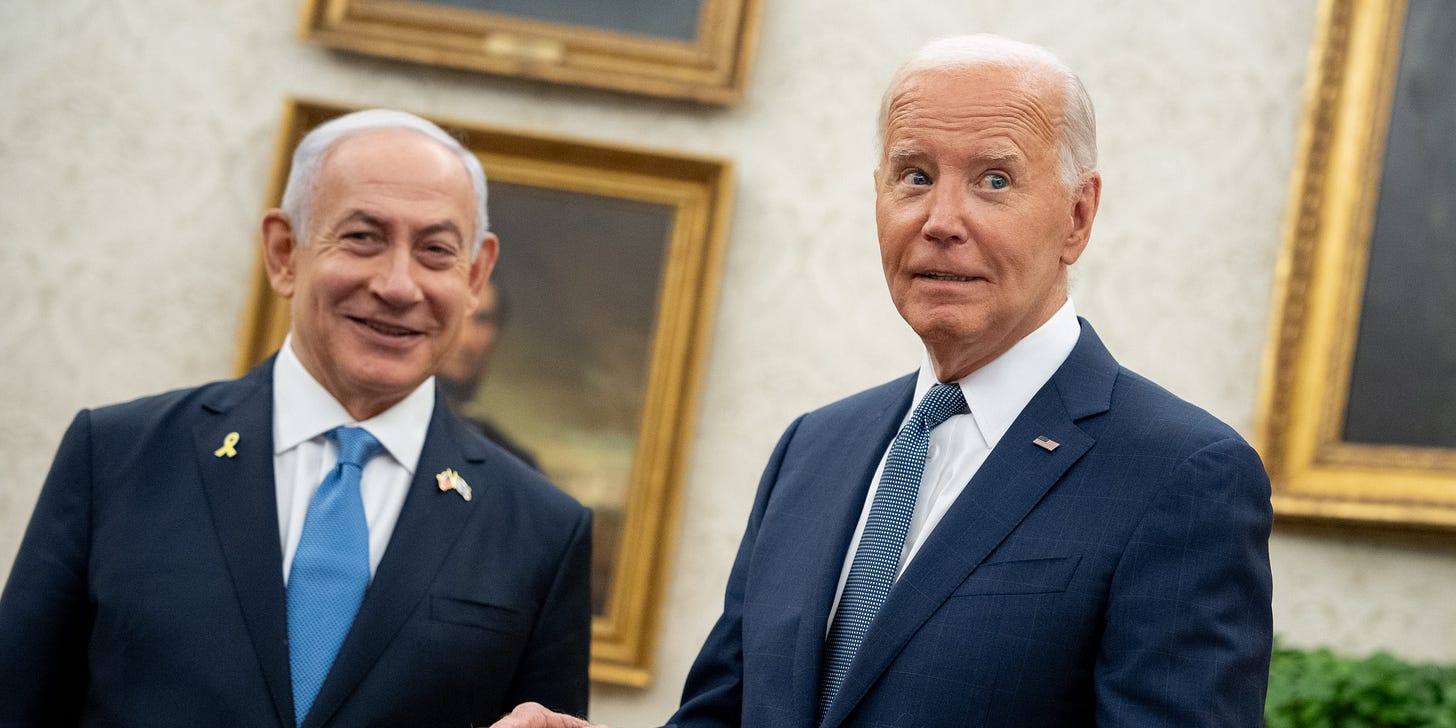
point(356, 445)
point(942, 402)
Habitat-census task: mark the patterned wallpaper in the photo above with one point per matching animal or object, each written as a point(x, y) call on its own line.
point(136, 141)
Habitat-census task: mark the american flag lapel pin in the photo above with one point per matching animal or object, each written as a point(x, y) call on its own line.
point(1046, 443)
point(448, 479)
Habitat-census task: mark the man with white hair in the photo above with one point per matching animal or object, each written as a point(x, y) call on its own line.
point(318, 543)
point(1022, 533)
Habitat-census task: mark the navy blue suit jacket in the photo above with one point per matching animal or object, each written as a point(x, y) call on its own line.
point(148, 590)
point(1121, 579)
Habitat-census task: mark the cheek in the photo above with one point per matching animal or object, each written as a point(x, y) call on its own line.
point(904, 219)
point(895, 241)
point(333, 280)
point(891, 216)
point(307, 298)
point(449, 300)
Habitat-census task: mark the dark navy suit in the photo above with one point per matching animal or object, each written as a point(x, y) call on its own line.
point(1121, 579)
point(148, 590)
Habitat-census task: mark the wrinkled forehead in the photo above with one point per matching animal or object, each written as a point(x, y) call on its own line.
point(980, 99)
point(974, 97)
point(393, 164)
point(389, 148)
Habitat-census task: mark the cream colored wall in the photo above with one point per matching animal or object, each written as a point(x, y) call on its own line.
point(135, 140)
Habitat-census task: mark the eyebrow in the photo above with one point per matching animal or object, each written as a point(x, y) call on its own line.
point(902, 155)
point(447, 226)
point(375, 221)
point(1001, 154)
point(364, 217)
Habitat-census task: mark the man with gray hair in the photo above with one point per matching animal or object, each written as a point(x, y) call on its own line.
point(1023, 532)
point(318, 543)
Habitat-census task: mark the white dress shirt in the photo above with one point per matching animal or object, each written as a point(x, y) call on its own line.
point(303, 412)
point(996, 394)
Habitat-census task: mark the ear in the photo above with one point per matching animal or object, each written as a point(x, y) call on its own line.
point(1084, 210)
point(280, 252)
point(481, 267)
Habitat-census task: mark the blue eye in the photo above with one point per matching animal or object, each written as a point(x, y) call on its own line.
point(918, 178)
point(997, 181)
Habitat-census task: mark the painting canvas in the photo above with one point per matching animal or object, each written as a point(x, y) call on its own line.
point(675, 20)
point(568, 378)
point(699, 50)
point(1358, 416)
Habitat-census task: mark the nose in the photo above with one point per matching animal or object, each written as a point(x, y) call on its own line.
point(947, 214)
point(395, 282)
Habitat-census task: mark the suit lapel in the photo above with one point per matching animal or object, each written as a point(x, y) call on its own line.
point(243, 501)
point(429, 524)
point(1014, 478)
point(859, 454)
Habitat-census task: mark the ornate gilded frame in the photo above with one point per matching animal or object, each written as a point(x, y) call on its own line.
point(712, 67)
point(1320, 281)
point(697, 191)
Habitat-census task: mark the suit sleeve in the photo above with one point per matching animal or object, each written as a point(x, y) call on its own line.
point(45, 610)
point(713, 694)
point(553, 669)
point(1189, 626)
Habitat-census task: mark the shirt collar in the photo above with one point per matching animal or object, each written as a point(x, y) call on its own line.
point(303, 410)
point(998, 391)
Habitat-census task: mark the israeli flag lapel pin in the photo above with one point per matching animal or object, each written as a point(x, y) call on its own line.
point(448, 479)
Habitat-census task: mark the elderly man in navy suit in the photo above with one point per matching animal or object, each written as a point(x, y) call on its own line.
point(318, 543)
point(1023, 532)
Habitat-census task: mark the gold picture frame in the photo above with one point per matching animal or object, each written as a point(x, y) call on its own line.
point(1330, 459)
point(575, 235)
point(701, 51)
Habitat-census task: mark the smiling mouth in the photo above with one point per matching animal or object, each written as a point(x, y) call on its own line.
point(382, 328)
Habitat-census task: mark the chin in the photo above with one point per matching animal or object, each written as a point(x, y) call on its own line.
point(945, 327)
point(390, 379)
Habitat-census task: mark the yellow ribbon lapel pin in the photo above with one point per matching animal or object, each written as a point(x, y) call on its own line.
point(451, 480)
point(227, 449)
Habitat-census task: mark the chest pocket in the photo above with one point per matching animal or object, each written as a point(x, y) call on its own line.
point(1022, 576)
point(478, 614)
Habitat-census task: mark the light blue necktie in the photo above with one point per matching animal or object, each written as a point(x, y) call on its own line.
point(877, 559)
point(330, 568)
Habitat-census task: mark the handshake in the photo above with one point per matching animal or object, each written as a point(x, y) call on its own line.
point(534, 715)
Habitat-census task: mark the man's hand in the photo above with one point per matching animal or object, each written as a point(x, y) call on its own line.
point(534, 715)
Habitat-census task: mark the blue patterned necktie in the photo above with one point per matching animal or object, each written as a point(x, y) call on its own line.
point(330, 568)
point(877, 559)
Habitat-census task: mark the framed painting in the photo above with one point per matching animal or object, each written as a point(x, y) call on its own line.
point(1358, 409)
point(688, 49)
point(586, 357)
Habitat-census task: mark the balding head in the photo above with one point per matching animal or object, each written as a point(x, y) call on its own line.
point(315, 147)
point(1038, 68)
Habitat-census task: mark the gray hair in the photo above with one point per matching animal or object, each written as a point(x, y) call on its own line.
point(1077, 149)
point(309, 156)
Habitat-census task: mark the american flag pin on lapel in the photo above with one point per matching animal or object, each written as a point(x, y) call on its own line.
point(448, 479)
point(1046, 443)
